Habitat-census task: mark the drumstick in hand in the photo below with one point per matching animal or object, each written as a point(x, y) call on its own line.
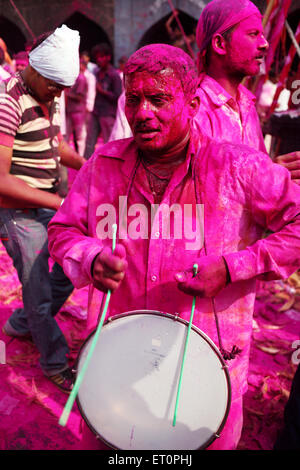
point(68, 407)
point(195, 270)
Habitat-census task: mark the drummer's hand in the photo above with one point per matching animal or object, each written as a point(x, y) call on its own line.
point(109, 269)
point(291, 161)
point(211, 277)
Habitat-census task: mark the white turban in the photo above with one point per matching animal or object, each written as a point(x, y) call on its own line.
point(57, 57)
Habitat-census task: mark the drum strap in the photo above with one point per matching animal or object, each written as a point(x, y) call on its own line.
point(198, 184)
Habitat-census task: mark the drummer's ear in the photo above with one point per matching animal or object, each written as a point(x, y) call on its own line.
point(194, 106)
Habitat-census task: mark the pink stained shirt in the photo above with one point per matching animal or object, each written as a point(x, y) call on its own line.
point(223, 118)
point(243, 193)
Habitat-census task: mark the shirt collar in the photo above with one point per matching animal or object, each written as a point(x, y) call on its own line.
point(220, 96)
point(122, 149)
point(126, 150)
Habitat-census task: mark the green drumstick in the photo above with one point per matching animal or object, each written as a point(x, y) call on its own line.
point(195, 270)
point(68, 407)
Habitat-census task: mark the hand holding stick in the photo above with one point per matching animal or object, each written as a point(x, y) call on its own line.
point(68, 407)
point(195, 270)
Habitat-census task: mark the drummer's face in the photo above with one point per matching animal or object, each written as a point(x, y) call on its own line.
point(157, 110)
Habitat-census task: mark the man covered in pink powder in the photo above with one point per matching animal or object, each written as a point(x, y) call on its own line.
point(167, 163)
point(232, 46)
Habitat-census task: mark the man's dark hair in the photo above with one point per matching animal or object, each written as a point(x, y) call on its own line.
point(103, 48)
point(28, 44)
point(155, 58)
point(85, 52)
point(37, 41)
point(22, 55)
point(123, 59)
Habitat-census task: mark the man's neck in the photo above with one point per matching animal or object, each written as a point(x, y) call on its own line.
point(173, 156)
point(24, 75)
point(229, 83)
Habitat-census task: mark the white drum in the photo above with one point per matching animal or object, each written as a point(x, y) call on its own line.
point(128, 393)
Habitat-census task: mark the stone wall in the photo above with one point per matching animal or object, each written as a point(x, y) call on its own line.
point(123, 21)
point(135, 17)
point(44, 16)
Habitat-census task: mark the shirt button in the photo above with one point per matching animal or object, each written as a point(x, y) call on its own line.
point(156, 234)
point(153, 278)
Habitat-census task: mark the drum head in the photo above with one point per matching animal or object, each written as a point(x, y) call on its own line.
point(128, 393)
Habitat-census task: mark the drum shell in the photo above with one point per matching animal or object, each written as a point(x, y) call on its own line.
point(155, 349)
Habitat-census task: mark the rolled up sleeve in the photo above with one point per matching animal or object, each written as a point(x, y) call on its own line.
point(71, 243)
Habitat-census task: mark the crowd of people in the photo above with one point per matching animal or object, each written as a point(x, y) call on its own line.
point(192, 136)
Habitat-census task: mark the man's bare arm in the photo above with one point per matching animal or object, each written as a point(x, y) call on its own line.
point(69, 157)
point(15, 193)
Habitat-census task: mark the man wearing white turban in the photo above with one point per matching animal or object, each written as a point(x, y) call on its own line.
point(57, 57)
point(31, 149)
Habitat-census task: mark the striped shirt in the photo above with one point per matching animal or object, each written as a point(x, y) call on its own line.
point(32, 131)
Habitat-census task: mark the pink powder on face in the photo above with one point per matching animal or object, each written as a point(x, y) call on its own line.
point(247, 47)
point(157, 110)
point(216, 18)
point(156, 58)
